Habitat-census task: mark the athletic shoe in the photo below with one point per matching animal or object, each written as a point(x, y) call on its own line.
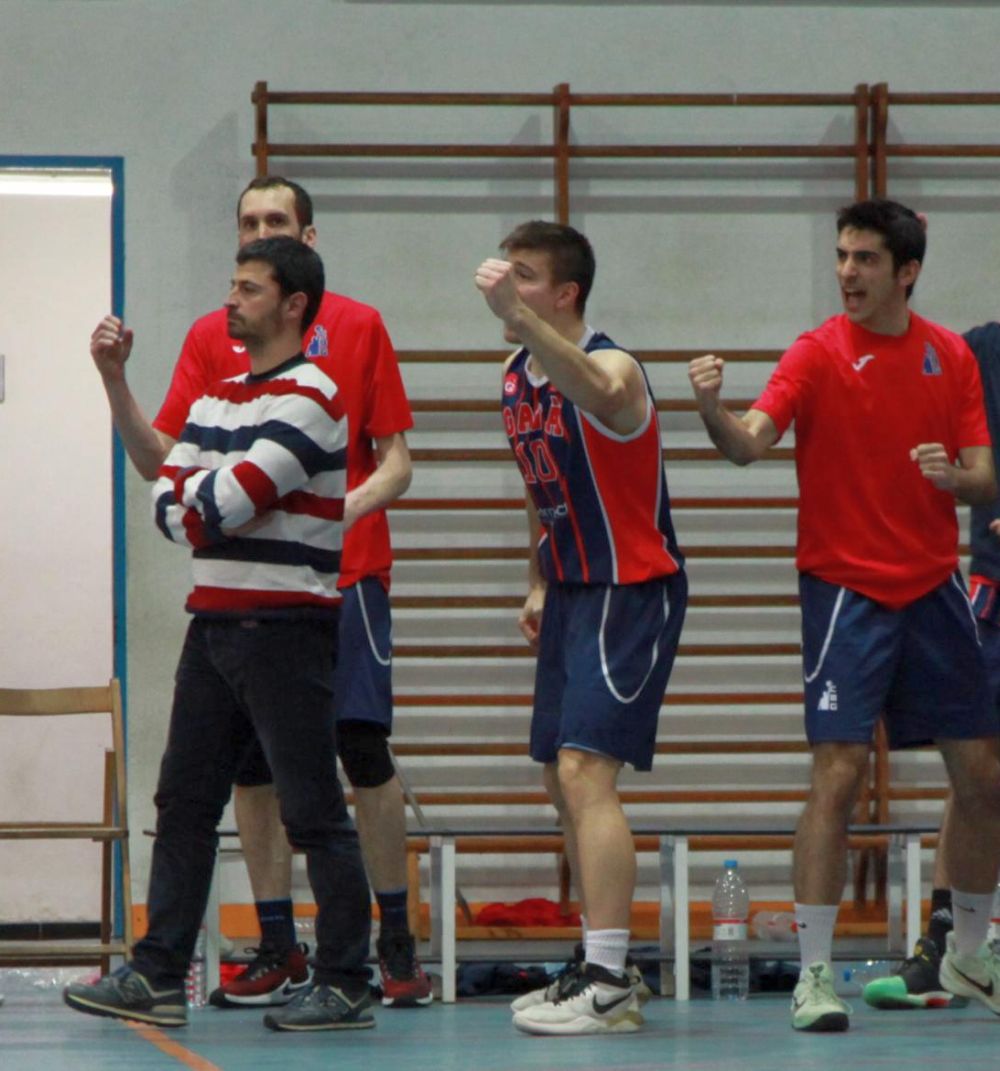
point(593, 1001)
point(272, 978)
point(127, 994)
point(323, 1007)
point(915, 983)
point(565, 977)
point(975, 976)
point(815, 1006)
point(404, 984)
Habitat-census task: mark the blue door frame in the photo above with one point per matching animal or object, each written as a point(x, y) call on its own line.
point(115, 167)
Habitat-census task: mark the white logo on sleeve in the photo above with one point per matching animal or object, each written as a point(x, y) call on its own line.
point(862, 361)
point(828, 700)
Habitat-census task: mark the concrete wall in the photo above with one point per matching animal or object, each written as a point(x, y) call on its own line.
point(731, 260)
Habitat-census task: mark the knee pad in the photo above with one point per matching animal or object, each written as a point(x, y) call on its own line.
point(363, 747)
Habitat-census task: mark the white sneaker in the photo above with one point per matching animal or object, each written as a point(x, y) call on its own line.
point(975, 976)
point(815, 1006)
point(551, 991)
point(593, 1001)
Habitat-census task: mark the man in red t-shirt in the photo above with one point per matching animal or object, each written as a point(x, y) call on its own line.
point(890, 431)
point(350, 343)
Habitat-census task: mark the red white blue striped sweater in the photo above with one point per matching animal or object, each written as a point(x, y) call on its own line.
point(255, 485)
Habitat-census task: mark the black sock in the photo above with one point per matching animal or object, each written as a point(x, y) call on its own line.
point(392, 911)
point(277, 925)
point(940, 921)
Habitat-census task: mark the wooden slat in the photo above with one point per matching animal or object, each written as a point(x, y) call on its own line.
point(60, 831)
point(719, 502)
point(514, 602)
point(753, 551)
point(522, 650)
point(451, 455)
point(497, 357)
point(530, 798)
point(472, 406)
point(484, 699)
point(31, 702)
point(473, 748)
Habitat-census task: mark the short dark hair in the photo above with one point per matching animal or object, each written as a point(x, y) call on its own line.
point(303, 202)
point(569, 251)
point(296, 268)
point(902, 231)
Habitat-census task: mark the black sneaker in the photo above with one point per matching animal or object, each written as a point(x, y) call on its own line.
point(915, 984)
point(323, 1007)
point(272, 978)
point(127, 994)
point(404, 983)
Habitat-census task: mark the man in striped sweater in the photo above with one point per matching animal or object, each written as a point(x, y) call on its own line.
point(255, 486)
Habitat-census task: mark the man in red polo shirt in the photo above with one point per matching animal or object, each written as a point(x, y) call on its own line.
point(890, 431)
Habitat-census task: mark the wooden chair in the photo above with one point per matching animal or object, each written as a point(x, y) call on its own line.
point(110, 830)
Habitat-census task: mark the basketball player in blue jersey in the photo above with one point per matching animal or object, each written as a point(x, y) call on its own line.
point(606, 593)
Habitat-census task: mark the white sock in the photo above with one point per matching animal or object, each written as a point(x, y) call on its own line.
point(607, 949)
point(971, 913)
point(815, 924)
point(583, 929)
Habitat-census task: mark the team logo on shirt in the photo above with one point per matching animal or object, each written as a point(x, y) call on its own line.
point(510, 384)
point(828, 700)
point(319, 345)
point(862, 361)
point(932, 364)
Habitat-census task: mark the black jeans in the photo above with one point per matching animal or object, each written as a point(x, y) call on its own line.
point(276, 674)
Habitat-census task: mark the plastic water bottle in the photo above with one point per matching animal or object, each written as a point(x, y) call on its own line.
point(774, 926)
point(850, 978)
point(196, 982)
point(730, 910)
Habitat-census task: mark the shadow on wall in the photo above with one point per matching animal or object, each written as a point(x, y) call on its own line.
point(203, 190)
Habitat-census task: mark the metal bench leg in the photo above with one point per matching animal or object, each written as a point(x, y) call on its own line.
point(894, 894)
point(912, 890)
point(443, 912)
point(674, 909)
point(212, 928)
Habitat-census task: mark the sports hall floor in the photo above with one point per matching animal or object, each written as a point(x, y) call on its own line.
point(39, 1033)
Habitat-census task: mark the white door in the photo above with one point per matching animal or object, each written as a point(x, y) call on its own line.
point(56, 534)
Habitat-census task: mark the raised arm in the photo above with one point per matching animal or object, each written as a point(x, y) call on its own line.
point(110, 347)
point(607, 383)
point(742, 440)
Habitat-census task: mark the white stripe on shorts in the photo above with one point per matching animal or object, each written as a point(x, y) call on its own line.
point(810, 677)
point(604, 660)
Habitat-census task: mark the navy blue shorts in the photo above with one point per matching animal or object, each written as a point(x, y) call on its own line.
point(362, 687)
point(922, 667)
point(604, 659)
point(989, 639)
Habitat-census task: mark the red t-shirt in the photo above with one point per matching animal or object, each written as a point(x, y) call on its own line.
point(860, 401)
point(350, 343)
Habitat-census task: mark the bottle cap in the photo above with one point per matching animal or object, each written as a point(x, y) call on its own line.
point(731, 864)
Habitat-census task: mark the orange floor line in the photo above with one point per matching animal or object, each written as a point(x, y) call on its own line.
point(156, 1037)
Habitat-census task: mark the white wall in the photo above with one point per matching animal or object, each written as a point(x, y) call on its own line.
point(167, 86)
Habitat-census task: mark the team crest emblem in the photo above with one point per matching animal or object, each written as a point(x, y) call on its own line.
point(932, 364)
point(319, 344)
point(510, 384)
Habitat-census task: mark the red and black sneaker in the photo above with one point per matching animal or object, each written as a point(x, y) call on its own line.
point(274, 977)
point(404, 984)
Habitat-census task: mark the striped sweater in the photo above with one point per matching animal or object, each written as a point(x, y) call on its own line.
point(255, 486)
